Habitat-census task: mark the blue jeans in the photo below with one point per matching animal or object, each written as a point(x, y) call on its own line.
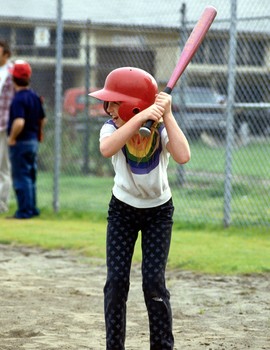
point(23, 159)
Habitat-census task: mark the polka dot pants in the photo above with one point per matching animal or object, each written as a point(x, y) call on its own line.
point(124, 224)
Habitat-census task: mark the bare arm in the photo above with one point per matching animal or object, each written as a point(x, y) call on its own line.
point(16, 129)
point(112, 144)
point(43, 122)
point(178, 145)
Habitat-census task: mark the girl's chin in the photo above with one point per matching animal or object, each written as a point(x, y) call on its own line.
point(118, 122)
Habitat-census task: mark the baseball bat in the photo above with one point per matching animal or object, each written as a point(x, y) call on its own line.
point(196, 37)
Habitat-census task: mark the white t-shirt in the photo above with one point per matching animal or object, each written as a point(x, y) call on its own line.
point(141, 184)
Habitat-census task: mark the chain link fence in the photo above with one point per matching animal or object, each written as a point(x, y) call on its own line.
point(222, 103)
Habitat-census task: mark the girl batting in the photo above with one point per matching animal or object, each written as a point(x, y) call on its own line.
point(141, 199)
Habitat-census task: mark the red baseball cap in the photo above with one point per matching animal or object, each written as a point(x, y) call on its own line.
point(21, 70)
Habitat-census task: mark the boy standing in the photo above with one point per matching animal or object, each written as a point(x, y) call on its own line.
point(26, 121)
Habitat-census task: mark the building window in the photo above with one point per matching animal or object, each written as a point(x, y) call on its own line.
point(5, 33)
point(71, 43)
point(250, 52)
point(212, 51)
point(24, 41)
point(109, 58)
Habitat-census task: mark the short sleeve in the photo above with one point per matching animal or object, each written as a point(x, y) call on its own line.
point(107, 129)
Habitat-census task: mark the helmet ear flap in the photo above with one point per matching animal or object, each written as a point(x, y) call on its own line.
point(127, 110)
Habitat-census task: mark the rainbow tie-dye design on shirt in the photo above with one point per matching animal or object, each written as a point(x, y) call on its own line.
point(140, 153)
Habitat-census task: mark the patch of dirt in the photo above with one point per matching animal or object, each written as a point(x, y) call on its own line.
point(54, 300)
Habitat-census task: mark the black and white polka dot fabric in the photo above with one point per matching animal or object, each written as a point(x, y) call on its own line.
point(124, 224)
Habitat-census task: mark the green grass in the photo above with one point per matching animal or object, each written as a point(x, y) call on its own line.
point(199, 243)
point(77, 194)
point(230, 251)
point(204, 249)
point(201, 199)
point(251, 160)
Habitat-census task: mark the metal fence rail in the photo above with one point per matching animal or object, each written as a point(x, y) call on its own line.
point(222, 102)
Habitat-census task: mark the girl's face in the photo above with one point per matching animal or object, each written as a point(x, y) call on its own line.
point(112, 109)
point(3, 56)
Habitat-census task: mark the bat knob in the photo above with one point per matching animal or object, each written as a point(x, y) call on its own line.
point(145, 131)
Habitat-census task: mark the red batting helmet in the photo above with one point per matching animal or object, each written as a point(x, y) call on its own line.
point(134, 87)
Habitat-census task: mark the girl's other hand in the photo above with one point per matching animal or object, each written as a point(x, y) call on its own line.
point(164, 100)
point(154, 112)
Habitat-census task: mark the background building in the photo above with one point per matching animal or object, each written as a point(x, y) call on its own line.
point(144, 34)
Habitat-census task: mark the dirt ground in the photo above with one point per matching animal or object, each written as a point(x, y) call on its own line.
point(54, 300)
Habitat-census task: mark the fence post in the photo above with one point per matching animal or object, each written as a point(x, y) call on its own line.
point(58, 106)
point(182, 109)
point(85, 152)
point(230, 116)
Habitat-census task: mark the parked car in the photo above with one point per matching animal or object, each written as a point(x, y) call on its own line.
point(75, 100)
point(203, 110)
point(257, 120)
